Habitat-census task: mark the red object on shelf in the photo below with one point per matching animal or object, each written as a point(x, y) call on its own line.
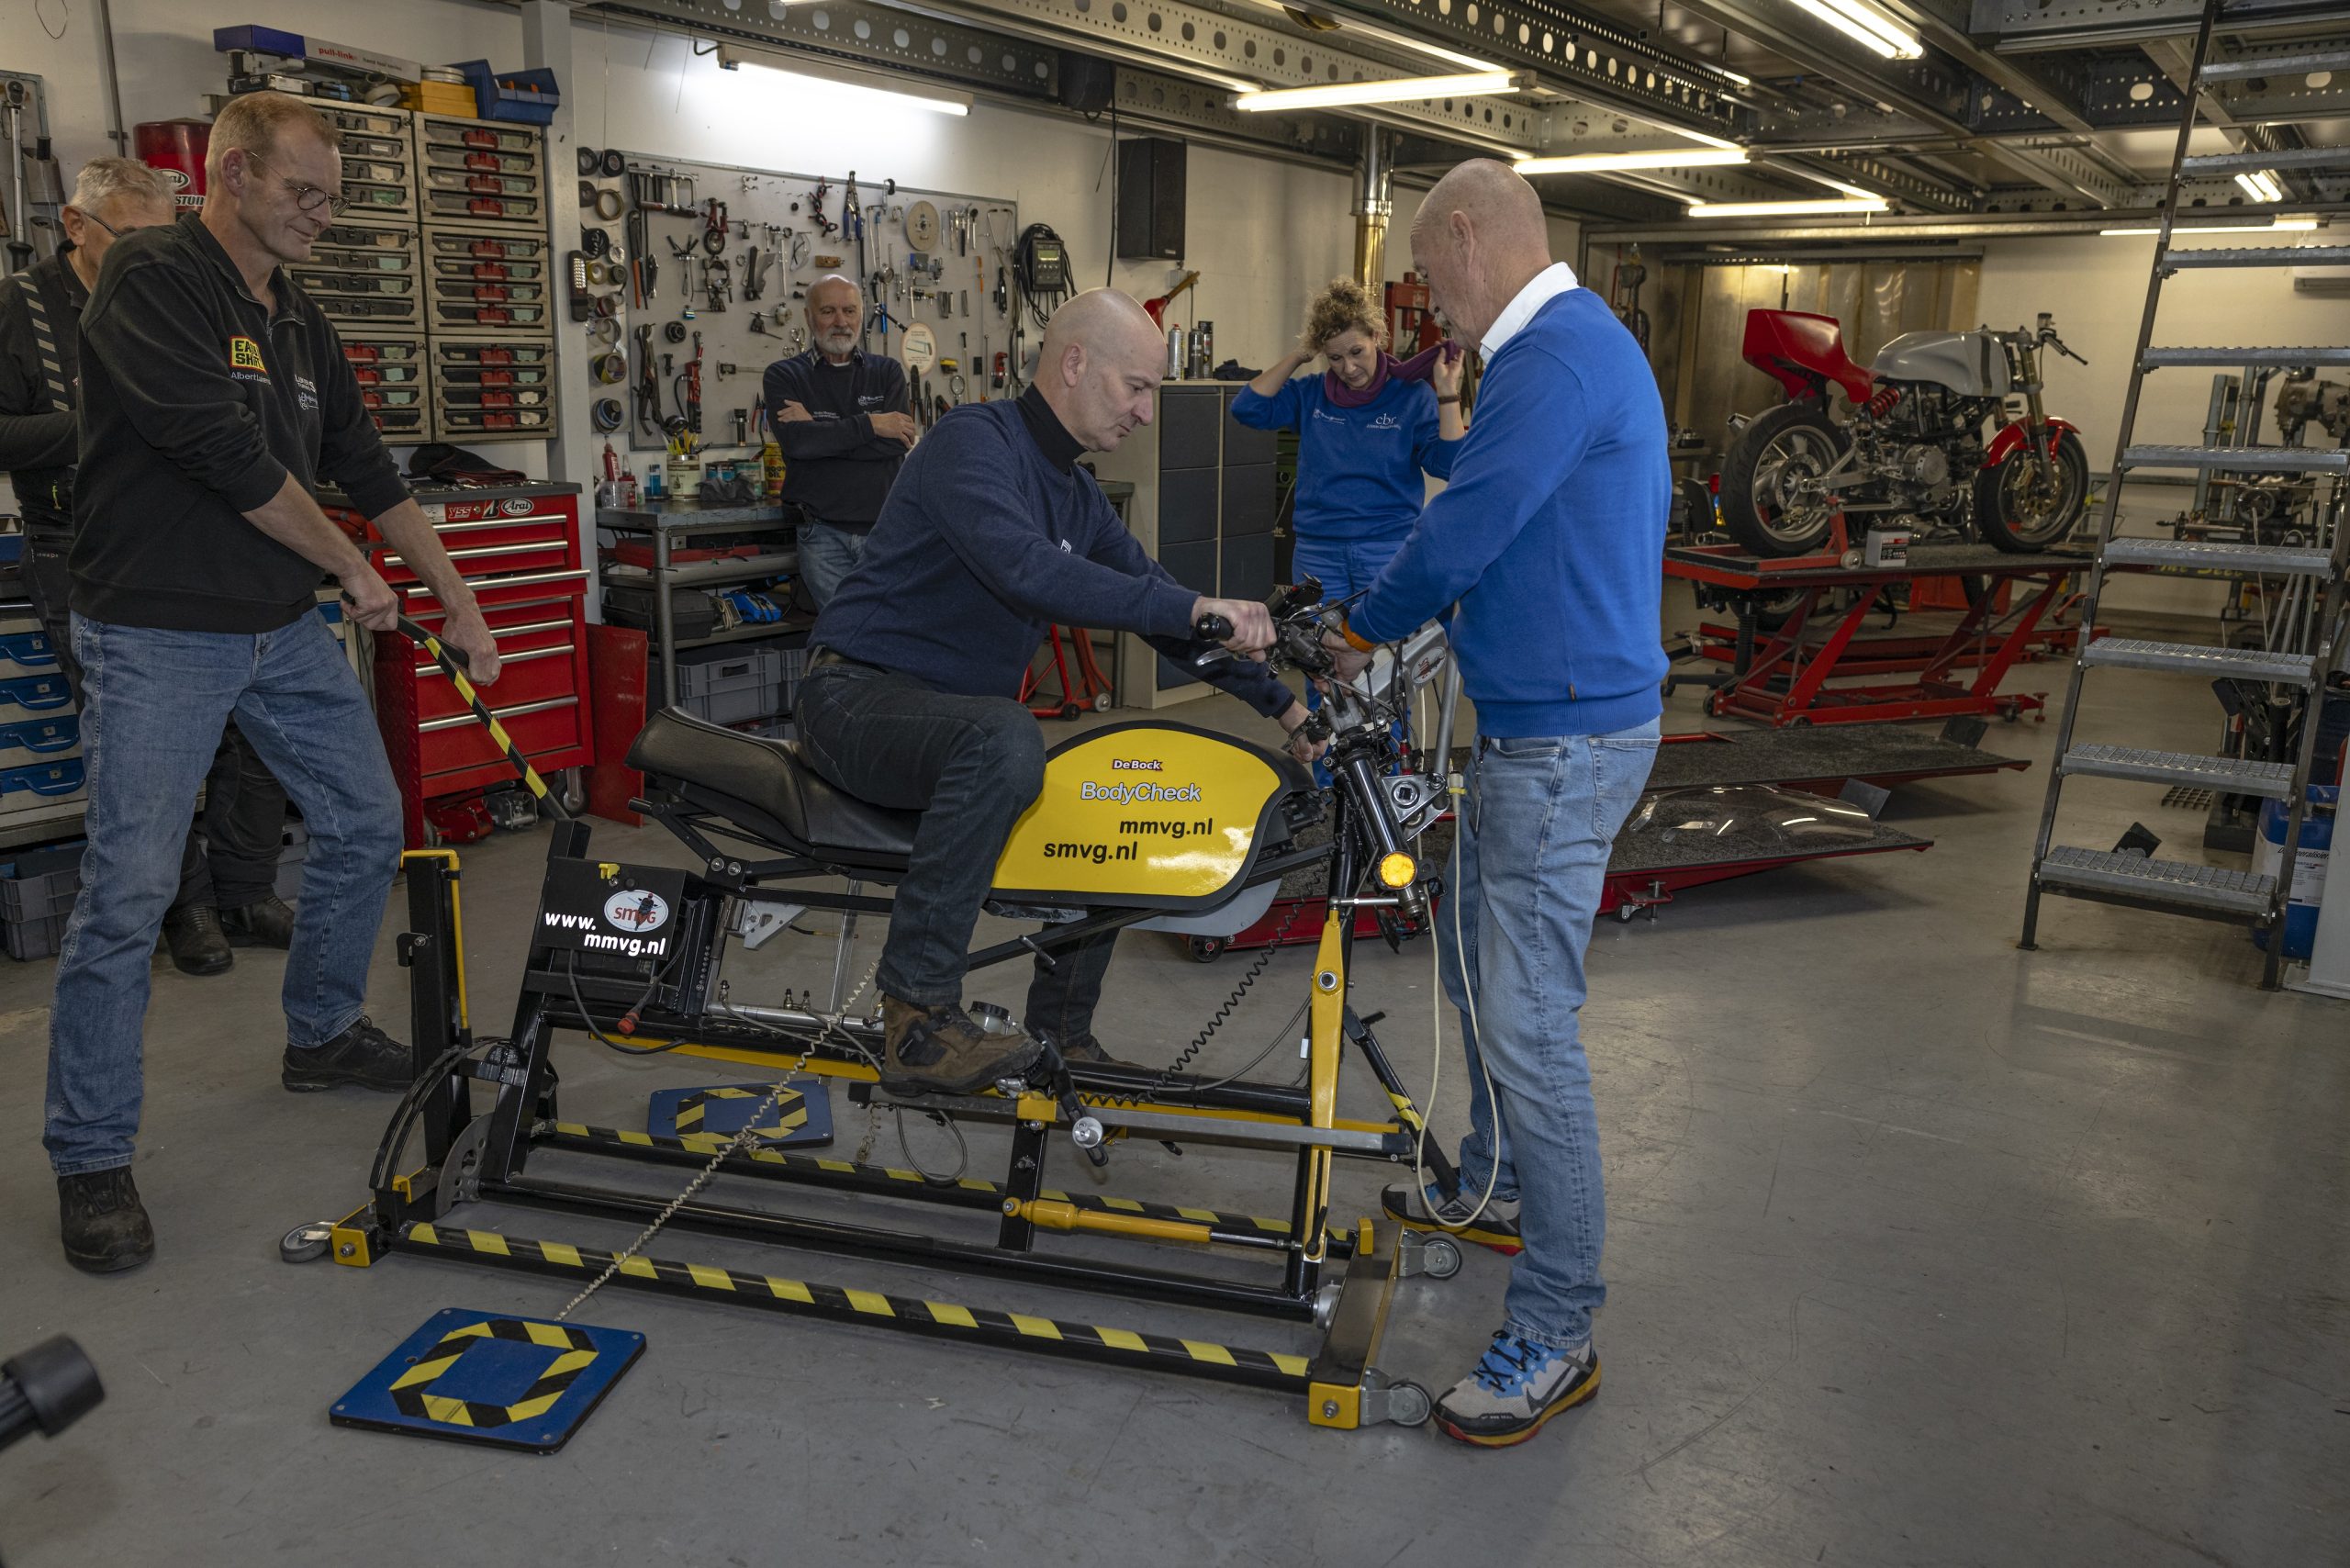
point(520, 553)
point(638, 553)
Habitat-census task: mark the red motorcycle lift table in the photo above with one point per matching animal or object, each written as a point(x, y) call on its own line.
point(1781, 675)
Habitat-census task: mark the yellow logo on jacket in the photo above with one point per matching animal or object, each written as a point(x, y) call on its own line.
point(245, 355)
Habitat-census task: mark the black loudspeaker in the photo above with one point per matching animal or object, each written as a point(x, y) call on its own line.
point(1087, 81)
point(1150, 199)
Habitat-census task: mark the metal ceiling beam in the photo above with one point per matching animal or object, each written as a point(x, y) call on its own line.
point(2017, 26)
point(1943, 25)
point(867, 34)
point(1895, 228)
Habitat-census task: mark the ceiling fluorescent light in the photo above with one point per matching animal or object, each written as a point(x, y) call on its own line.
point(1868, 25)
point(939, 100)
point(2261, 184)
point(1399, 90)
point(2282, 225)
point(1617, 163)
point(1783, 208)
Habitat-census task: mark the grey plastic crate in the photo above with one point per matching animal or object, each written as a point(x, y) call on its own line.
point(727, 685)
point(29, 939)
point(41, 884)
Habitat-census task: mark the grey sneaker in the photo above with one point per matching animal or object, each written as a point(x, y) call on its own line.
point(1517, 1386)
point(1432, 1210)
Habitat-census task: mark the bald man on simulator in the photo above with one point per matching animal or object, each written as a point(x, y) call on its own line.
point(991, 535)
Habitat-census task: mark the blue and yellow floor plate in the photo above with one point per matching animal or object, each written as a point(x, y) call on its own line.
point(971, 1190)
point(489, 1377)
point(970, 1325)
point(802, 1116)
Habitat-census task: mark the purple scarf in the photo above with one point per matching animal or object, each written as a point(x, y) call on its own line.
point(1421, 366)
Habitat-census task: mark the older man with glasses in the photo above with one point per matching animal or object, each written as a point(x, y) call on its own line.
point(215, 400)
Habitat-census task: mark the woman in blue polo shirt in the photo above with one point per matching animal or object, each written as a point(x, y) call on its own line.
point(1368, 427)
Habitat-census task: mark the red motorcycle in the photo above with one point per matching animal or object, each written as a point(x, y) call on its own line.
point(1946, 431)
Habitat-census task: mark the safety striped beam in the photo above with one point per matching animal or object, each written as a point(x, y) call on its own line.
point(969, 1324)
point(969, 1190)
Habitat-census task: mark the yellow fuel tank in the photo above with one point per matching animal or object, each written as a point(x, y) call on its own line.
point(1147, 815)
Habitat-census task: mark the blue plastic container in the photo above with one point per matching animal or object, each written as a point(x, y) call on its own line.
point(524, 97)
point(2309, 865)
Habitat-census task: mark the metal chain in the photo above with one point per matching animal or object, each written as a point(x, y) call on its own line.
point(740, 1141)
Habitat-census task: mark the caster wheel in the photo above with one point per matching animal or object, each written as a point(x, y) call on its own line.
point(1409, 1405)
point(304, 1243)
point(1070, 710)
point(1100, 702)
point(1624, 911)
point(1206, 949)
point(1440, 1259)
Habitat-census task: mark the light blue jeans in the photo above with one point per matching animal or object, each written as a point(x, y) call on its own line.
point(828, 553)
point(154, 703)
point(1552, 807)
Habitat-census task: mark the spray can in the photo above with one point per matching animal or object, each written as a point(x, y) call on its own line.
point(1207, 349)
point(1175, 366)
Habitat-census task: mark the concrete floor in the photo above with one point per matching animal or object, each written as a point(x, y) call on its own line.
point(1924, 1250)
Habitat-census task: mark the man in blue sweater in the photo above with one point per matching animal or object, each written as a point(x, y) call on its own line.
point(991, 535)
point(840, 419)
point(1548, 539)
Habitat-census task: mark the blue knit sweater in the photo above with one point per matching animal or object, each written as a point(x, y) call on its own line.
point(1549, 537)
point(983, 543)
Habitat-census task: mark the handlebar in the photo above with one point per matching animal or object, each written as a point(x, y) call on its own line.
point(1211, 629)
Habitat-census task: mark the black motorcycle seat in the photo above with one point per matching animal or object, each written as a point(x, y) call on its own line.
point(769, 790)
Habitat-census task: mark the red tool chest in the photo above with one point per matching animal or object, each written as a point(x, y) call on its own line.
point(518, 549)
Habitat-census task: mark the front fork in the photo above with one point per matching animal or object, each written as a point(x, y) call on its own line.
point(2035, 424)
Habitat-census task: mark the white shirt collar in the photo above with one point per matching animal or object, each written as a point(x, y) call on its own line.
point(1546, 285)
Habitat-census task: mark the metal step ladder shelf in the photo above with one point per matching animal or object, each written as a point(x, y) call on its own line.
point(2138, 880)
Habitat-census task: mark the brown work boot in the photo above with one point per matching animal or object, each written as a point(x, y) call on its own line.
point(1085, 1051)
point(941, 1051)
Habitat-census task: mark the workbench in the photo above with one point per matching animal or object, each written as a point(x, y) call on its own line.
point(669, 527)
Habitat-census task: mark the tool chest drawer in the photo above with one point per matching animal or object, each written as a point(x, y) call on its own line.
point(473, 172)
point(25, 650)
point(389, 367)
point(519, 552)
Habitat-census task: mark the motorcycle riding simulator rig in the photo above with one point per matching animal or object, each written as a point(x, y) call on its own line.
point(1143, 823)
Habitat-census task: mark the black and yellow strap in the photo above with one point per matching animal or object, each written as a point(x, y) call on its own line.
point(452, 665)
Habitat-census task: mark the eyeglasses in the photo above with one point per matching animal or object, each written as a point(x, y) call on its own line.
point(89, 217)
point(310, 198)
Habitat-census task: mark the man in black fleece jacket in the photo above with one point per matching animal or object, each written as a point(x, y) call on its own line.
point(215, 397)
point(227, 891)
point(840, 419)
point(991, 534)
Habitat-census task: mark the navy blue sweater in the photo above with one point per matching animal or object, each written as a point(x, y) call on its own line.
point(835, 468)
point(1549, 535)
point(986, 541)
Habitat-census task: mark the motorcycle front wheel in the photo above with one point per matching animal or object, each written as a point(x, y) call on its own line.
point(1766, 496)
point(2019, 511)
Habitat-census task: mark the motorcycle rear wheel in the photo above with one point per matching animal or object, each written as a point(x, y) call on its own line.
point(1763, 474)
point(2016, 512)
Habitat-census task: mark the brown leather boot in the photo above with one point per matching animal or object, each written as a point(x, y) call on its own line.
point(940, 1050)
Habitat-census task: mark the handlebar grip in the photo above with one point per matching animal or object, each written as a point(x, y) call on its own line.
point(1211, 629)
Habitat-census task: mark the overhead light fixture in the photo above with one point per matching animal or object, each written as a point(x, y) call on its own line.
point(1786, 209)
point(1617, 163)
point(1867, 25)
point(1738, 77)
point(914, 93)
point(2261, 184)
point(2282, 225)
point(1397, 90)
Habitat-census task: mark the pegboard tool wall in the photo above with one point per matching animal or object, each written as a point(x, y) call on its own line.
point(937, 261)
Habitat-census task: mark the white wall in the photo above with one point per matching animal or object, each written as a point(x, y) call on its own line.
point(2097, 287)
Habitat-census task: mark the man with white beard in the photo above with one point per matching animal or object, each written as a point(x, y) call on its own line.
point(841, 420)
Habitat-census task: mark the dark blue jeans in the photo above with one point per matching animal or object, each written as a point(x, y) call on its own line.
point(154, 703)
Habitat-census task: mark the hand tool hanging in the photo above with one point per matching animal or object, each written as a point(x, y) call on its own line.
point(648, 384)
point(693, 390)
point(853, 227)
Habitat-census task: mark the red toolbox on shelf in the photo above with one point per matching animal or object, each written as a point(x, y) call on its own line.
point(518, 549)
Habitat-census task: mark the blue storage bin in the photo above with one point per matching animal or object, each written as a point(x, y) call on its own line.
point(525, 97)
point(25, 652)
point(45, 779)
point(21, 740)
point(35, 693)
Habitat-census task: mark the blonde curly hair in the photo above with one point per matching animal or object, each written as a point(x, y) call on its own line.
point(1345, 303)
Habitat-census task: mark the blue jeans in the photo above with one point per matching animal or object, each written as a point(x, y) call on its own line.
point(828, 553)
point(153, 707)
point(1344, 567)
point(1553, 806)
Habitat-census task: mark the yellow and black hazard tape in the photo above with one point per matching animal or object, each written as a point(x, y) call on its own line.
point(979, 1194)
point(791, 1110)
point(412, 1392)
point(1198, 1358)
point(451, 661)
